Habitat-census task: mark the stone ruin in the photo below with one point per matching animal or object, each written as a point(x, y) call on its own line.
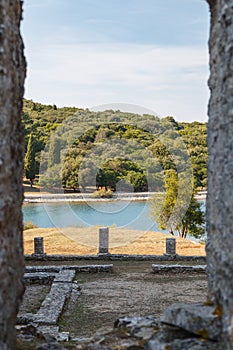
point(211, 323)
point(103, 252)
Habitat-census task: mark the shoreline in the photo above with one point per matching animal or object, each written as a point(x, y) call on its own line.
point(80, 197)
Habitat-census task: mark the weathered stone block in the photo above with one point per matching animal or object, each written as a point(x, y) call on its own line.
point(103, 240)
point(137, 321)
point(198, 319)
point(39, 277)
point(183, 344)
point(178, 268)
point(83, 268)
point(39, 246)
point(65, 276)
point(53, 304)
point(171, 246)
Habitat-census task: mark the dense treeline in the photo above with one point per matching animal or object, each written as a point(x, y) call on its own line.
point(110, 149)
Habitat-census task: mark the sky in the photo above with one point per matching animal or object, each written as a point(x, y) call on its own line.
point(151, 53)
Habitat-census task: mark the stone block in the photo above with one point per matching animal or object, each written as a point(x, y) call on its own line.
point(39, 277)
point(170, 246)
point(199, 319)
point(65, 276)
point(158, 268)
point(137, 322)
point(103, 240)
point(183, 344)
point(39, 246)
point(53, 304)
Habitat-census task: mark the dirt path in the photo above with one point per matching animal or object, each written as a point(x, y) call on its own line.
point(105, 297)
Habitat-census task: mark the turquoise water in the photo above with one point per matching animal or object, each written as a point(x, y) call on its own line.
point(132, 215)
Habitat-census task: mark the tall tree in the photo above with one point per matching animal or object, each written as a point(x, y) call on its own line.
point(12, 75)
point(30, 161)
point(193, 222)
point(54, 153)
point(163, 206)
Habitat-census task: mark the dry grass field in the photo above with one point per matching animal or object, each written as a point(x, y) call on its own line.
point(82, 241)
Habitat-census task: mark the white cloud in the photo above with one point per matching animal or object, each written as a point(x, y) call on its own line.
point(168, 80)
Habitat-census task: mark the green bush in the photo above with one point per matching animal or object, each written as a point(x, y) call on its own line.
point(29, 225)
point(103, 193)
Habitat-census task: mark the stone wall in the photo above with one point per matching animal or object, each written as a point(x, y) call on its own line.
point(12, 74)
point(114, 257)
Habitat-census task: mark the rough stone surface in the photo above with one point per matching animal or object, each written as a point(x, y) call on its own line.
point(50, 346)
point(27, 332)
point(54, 332)
point(64, 276)
point(156, 336)
point(220, 167)
point(76, 268)
point(103, 240)
point(129, 333)
point(178, 268)
point(182, 344)
point(140, 327)
point(39, 277)
point(173, 338)
point(171, 246)
point(114, 257)
point(198, 319)
point(53, 304)
point(45, 269)
point(39, 246)
point(137, 322)
point(12, 74)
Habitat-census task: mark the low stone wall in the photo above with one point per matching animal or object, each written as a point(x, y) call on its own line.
point(76, 268)
point(53, 304)
point(61, 279)
point(178, 268)
point(39, 277)
point(112, 257)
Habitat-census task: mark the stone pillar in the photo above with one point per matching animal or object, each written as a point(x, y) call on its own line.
point(220, 168)
point(103, 240)
point(170, 246)
point(39, 246)
point(12, 74)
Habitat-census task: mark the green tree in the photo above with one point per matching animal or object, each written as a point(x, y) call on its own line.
point(193, 222)
point(30, 162)
point(152, 134)
point(54, 154)
point(138, 181)
point(106, 178)
point(70, 173)
point(52, 179)
point(163, 205)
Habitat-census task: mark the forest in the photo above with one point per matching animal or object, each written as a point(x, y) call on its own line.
point(76, 148)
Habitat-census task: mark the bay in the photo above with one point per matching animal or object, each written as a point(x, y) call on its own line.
point(133, 215)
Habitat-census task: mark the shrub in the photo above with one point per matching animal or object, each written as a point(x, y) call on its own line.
point(103, 193)
point(29, 225)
